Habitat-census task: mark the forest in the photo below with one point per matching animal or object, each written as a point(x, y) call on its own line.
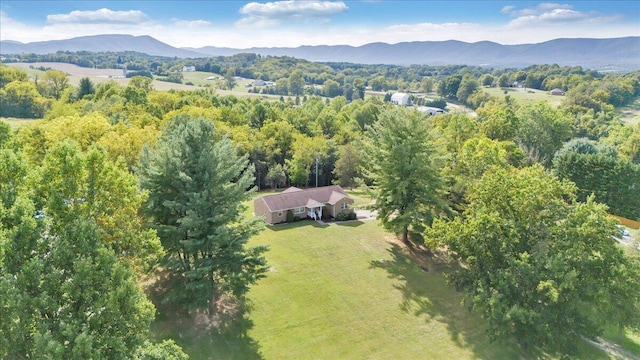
point(110, 182)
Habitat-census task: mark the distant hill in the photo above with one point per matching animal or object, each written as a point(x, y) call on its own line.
point(600, 54)
point(99, 43)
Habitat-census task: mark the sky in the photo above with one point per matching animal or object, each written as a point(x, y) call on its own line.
point(243, 24)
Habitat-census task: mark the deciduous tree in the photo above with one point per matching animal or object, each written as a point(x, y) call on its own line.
point(540, 267)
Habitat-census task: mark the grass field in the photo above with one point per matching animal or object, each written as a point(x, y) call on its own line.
point(630, 114)
point(525, 95)
point(16, 122)
point(347, 291)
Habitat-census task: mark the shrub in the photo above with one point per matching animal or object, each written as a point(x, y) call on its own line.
point(290, 217)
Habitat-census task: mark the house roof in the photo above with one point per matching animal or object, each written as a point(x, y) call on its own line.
point(292, 198)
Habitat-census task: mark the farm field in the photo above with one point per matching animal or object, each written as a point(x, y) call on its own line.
point(347, 291)
point(98, 76)
point(525, 95)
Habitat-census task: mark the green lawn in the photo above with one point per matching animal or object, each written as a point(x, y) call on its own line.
point(344, 291)
point(525, 95)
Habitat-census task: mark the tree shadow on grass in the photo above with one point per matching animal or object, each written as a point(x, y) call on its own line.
point(297, 224)
point(350, 223)
point(425, 294)
point(196, 334)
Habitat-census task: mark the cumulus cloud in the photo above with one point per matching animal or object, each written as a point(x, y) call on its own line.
point(100, 16)
point(272, 13)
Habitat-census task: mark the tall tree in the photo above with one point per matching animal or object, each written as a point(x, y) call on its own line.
point(347, 168)
point(403, 165)
point(85, 88)
point(276, 176)
point(72, 182)
point(54, 83)
point(296, 82)
point(539, 266)
point(542, 131)
point(196, 188)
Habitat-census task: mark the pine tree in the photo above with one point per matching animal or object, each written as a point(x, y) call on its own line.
point(196, 188)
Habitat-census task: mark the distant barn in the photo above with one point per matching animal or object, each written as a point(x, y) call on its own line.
point(400, 99)
point(557, 91)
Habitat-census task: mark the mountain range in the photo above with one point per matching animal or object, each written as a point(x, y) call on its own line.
point(600, 54)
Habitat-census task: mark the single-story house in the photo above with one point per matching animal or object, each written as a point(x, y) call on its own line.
point(557, 91)
point(258, 82)
point(315, 203)
point(400, 99)
point(190, 68)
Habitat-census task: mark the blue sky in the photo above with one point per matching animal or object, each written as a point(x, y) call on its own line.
point(242, 24)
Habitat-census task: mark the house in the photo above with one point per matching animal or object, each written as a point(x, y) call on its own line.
point(258, 82)
point(315, 203)
point(188, 68)
point(400, 99)
point(557, 91)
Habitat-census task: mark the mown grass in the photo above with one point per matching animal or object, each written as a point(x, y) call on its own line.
point(347, 291)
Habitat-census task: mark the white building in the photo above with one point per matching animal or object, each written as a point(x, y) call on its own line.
point(188, 69)
point(431, 110)
point(400, 99)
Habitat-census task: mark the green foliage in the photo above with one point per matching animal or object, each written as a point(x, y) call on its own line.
point(404, 168)
point(290, 216)
point(276, 176)
point(85, 88)
point(21, 99)
point(72, 183)
point(348, 166)
point(448, 88)
point(196, 186)
point(166, 350)
point(54, 83)
point(599, 172)
point(542, 131)
point(540, 267)
point(5, 134)
point(63, 293)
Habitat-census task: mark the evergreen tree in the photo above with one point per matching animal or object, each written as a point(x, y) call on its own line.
point(403, 166)
point(85, 88)
point(196, 188)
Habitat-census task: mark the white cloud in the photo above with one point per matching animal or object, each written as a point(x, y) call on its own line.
point(99, 16)
point(507, 9)
point(191, 23)
point(272, 13)
point(552, 14)
point(285, 9)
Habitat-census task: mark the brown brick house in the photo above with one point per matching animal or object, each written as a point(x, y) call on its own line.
point(316, 203)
